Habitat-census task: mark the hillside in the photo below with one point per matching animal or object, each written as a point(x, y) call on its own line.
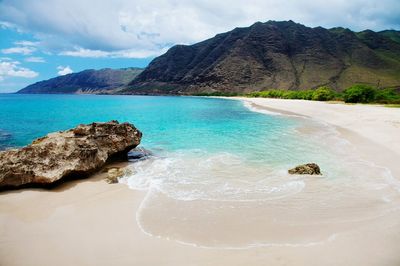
point(274, 55)
point(87, 81)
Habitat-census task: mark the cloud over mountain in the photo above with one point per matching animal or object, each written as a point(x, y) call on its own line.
point(64, 70)
point(142, 28)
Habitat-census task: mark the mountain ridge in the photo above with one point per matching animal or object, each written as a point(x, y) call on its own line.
point(270, 55)
point(274, 55)
point(89, 81)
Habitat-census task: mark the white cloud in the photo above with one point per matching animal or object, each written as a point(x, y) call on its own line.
point(64, 70)
point(22, 47)
point(19, 50)
point(81, 52)
point(136, 28)
point(26, 43)
point(35, 59)
point(12, 69)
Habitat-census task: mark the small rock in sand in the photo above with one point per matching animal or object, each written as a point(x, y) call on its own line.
point(306, 169)
point(113, 174)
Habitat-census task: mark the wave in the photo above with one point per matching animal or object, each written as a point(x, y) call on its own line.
point(230, 200)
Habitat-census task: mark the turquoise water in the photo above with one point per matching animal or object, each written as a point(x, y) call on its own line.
point(167, 123)
point(219, 175)
point(193, 127)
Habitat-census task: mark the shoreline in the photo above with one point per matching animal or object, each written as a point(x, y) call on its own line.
point(90, 222)
point(373, 129)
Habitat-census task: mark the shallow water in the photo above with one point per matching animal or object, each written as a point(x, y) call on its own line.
point(219, 175)
point(228, 200)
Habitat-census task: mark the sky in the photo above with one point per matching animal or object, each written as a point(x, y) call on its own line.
point(42, 39)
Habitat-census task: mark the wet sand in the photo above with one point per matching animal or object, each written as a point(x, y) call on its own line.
point(90, 222)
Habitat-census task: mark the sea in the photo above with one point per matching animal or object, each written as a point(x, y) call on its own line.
point(218, 175)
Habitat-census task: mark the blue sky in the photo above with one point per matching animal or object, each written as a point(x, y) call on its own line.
point(46, 38)
point(43, 64)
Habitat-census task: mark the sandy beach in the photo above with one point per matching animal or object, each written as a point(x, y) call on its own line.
point(90, 222)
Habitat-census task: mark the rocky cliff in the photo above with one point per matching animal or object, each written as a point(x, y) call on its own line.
point(76, 152)
point(88, 81)
point(275, 55)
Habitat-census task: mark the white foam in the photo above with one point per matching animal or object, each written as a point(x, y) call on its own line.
point(218, 177)
point(358, 188)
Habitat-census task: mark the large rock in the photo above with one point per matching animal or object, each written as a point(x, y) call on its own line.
point(76, 152)
point(306, 169)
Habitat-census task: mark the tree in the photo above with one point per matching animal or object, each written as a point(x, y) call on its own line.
point(359, 94)
point(323, 94)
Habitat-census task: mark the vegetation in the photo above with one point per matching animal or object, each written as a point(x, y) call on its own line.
point(321, 94)
point(217, 93)
point(359, 94)
point(367, 94)
point(283, 94)
point(355, 94)
point(387, 96)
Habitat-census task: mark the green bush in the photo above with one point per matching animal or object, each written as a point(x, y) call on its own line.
point(359, 94)
point(387, 96)
point(217, 93)
point(354, 94)
point(305, 95)
point(284, 94)
point(323, 94)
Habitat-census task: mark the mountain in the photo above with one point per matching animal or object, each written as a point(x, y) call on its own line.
point(270, 55)
point(88, 81)
point(274, 55)
point(392, 34)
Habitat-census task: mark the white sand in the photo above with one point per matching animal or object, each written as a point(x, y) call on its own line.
point(90, 222)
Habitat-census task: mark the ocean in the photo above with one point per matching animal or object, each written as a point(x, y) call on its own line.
point(220, 166)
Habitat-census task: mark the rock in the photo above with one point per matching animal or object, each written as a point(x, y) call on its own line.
point(306, 169)
point(113, 174)
point(72, 153)
point(139, 153)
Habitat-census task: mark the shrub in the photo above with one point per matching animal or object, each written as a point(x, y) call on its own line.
point(359, 94)
point(217, 93)
point(253, 94)
point(387, 96)
point(354, 94)
point(283, 94)
point(323, 94)
point(305, 95)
